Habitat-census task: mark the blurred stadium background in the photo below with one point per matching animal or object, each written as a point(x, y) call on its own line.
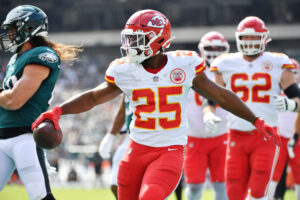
point(96, 24)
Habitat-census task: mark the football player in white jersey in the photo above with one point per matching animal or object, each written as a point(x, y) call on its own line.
point(157, 84)
point(206, 149)
point(290, 149)
point(255, 76)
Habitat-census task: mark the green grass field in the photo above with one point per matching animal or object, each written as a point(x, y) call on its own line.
point(11, 192)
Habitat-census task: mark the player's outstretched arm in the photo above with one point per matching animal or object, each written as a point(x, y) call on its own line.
point(80, 103)
point(232, 103)
point(225, 98)
point(87, 100)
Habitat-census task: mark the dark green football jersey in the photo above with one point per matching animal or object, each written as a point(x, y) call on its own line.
point(39, 102)
point(128, 114)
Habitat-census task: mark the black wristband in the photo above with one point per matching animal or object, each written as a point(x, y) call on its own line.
point(208, 102)
point(253, 121)
point(292, 91)
point(296, 106)
point(296, 136)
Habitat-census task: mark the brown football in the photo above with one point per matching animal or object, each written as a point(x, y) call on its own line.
point(46, 136)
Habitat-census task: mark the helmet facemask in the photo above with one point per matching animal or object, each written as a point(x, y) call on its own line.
point(136, 45)
point(251, 47)
point(211, 52)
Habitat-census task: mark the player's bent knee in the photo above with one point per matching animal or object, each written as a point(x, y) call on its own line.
point(36, 191)
point(152, 191)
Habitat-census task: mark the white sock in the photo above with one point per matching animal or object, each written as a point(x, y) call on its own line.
point(220, 191)
point(297, 189)
point(194, 191)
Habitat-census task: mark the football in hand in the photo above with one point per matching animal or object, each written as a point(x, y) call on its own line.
point(46, 136)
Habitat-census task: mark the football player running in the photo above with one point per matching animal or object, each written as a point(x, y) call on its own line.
point(206, 147)
point(290, 149)
point(27, 89)
point(156, 84)
point(123, 115)
point(255, 76)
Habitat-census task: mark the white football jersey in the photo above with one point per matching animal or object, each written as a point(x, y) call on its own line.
point(254, 82)
point(195, 116)
point(158, 100)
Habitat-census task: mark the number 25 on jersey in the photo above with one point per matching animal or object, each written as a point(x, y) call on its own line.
point(163, 107)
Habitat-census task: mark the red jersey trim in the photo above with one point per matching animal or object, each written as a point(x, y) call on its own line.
point(110, 79)
point(288, 66)
point(200, 68)
point(213, 69)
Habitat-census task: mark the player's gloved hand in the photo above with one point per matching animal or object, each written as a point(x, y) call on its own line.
point(283, 104)
point(291, 144)
point(267, 131)
point(52, 115)
point(106, 145)
point(210, 121)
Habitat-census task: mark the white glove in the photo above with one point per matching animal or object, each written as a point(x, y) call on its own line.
point(210, 120)
point(51, 170)
point(283, 104)
point(106, 145)
point(290, 146)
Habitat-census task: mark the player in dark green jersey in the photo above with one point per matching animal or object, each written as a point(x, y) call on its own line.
point(27, 90)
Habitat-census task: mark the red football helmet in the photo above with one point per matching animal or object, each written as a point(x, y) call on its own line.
point(146, 33)
point(252, 26)
point(297, 70)
point(211, 45)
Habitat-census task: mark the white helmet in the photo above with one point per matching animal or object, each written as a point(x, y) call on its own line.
point(252, 26)
point(211, 45)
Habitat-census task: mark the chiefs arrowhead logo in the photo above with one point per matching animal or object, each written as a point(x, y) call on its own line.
point(177, 76)
point(157, 22)
point(267, 66)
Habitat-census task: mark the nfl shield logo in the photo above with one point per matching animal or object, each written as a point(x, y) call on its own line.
point(155, 78)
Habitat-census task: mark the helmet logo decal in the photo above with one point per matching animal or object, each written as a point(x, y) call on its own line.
point(177, 76)
point(267, 66)
point(49, 57)
point(157, 22)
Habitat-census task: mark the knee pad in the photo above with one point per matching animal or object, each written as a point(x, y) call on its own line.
point(152, 191)
point(258, 183)
point(236, 192)
point(234, 168)
point(35, 191)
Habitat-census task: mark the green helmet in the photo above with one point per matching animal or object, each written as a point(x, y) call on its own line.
point(20, 25)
